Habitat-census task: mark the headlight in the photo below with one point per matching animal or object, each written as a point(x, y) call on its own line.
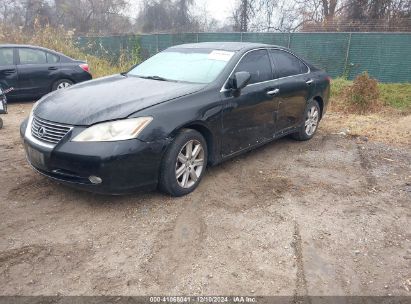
point(114, 130)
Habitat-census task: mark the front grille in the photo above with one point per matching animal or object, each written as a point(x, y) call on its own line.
point(48, 131)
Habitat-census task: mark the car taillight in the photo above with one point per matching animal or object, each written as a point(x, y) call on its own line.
point(85, 67)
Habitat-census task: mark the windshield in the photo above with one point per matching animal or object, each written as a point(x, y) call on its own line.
point(187, 65)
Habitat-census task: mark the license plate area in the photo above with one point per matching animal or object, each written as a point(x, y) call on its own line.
point(36, 158)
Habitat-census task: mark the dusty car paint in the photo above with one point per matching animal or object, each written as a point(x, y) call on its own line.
point(109, 98)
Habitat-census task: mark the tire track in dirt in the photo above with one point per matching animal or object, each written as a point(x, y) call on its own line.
point(301, 289)
point(365, 163)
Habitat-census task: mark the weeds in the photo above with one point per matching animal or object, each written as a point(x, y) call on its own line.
point(61, 40)
point(365, 95)
point(396, 95)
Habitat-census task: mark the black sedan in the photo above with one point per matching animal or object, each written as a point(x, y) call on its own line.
point(34, 71)
point(167, 119)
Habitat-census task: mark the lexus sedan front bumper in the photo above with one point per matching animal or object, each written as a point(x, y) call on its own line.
point(103, 167)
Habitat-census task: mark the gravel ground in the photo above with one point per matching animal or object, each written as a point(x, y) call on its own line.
point(326, 217)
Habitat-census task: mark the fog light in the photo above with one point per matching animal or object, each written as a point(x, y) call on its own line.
point(95, 179)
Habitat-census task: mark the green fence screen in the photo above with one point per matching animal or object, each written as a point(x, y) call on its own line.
point(386, 56)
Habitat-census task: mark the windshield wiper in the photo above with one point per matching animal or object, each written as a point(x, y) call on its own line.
point(155, 78)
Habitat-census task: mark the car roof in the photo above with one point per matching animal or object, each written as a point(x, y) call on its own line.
point(225, 46)
point(32, 46)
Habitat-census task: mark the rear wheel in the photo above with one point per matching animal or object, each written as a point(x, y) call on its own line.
point(62, 84)
point(184, 163)
point(311, 121)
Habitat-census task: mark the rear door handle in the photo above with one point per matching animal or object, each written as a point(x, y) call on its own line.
point(309, 81)
point(52, 68)
point(273, 92)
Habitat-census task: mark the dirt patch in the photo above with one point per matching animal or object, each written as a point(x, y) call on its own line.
point(324, 217)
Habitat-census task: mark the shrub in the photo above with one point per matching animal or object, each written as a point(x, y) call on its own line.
point(364, 94)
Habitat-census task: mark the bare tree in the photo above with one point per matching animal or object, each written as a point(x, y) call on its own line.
point(167, 16)
point(11, 12)
point(206, 22)
point(183, 18)
point(243, 13)
point(110, 16)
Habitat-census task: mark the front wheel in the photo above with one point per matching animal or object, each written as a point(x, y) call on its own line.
point(184, 163)
point(311, 121)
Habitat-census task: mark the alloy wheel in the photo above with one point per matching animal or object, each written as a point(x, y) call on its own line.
point(190, 164)
point(311, 122)
point(63, 85)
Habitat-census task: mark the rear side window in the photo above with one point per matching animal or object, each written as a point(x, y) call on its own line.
point(31, 56)
point(258, 64)
point(6, 56)
point(51, 58)
point(287, 64)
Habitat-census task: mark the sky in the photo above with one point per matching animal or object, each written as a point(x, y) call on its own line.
point(218, 9)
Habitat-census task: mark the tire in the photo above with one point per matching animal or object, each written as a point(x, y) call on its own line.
point(311, 119)
point(61, 84)
point(180, 171)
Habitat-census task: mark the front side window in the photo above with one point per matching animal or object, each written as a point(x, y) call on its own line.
point(31, 56)
point(258, 64)
point(186, 65)
point(287, 64)
point(6, 56)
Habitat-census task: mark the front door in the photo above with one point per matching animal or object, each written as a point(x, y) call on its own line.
point(249, 119)
point(8, 70)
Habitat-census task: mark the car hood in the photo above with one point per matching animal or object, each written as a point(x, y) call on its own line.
point(108, 98)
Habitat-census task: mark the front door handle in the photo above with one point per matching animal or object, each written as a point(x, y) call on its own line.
point(309, 81)
point(9, 72)
point(273, 92)
point(52, 68)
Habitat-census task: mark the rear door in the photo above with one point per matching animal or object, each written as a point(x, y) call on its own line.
point(8, 70)
point(295, 88)
point(248, 119)
point(37, 70)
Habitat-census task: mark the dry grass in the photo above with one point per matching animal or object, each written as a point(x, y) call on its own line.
point(387, 118)
point(383, 127)
point(61, 40)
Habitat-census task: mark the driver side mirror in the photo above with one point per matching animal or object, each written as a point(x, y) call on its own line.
point(240, 80)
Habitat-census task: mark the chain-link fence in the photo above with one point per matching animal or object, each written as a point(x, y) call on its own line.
point(386, 56)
